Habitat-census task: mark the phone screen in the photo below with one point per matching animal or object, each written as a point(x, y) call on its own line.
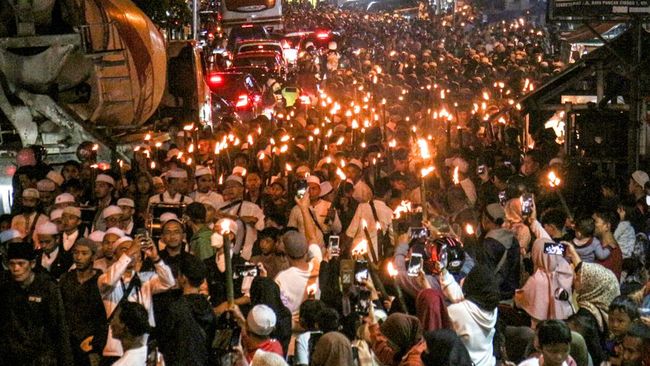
point(361, 271)
point(333, 245)
point(418, 233)
point(301, 188)
point(526, 204)
point(554, 248)
point(415, 265)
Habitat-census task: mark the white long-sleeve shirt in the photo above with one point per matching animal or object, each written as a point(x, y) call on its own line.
point(364, 212)
point(319, 210)
point(112, 286)
point(247, 209)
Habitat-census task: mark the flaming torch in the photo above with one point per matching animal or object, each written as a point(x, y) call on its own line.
point(423, 191)
point(225, 231)
point(392, 272)
point(554, 182)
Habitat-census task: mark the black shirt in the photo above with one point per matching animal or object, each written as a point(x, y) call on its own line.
point(32, 324)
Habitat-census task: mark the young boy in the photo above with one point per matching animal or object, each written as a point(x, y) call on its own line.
point(553, 341)
point(588, 247)
point(622, 313)
point(272, 261)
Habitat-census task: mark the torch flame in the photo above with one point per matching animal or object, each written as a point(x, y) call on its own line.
point(424, 149)
point(553, 179)
point(404, 206)
point(455, 176)
point(340, 173)
point(225, 226)
point(311, 289)
point(469, 229)
point(360, 249)
point(426, 171)
point(392, 271)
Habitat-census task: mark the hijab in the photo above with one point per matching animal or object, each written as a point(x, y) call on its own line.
point(552, 275)
point(431, 310)
point(332, 349)
point(444, 348)
point(481, 288)
point(402, 331)
point(596, 290)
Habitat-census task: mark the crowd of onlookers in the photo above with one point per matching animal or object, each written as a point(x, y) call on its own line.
point(358, 230)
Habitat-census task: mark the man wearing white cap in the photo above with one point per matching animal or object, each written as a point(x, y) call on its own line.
point(362, 191)
point(204, 184)
point(64, 200)
point(51, 257)
point(112, 216)
point(123, 281)
point(110, 237)
point(249, 216)
point(30, 217)
point(128, 224)
point(636, 187)
point(47, 191)
point(176, 183)
point(327, 221)
point(71, 219)
point(104, 187)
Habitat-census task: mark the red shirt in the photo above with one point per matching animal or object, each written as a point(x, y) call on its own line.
point(269, 345)
point(614, 262)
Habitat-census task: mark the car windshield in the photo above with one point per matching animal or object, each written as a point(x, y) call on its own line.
point(260, 47)
point(259, 61)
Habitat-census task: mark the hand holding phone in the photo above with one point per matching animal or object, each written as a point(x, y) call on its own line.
point(527, 204)
point(414, 265)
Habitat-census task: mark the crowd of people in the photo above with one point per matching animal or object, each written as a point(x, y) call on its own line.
point(354, 228)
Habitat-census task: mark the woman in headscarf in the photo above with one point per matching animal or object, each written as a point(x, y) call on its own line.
point(444, 348)
point(398, 342)
point(515, 223)
point(596, 287)
point(266, 291)
point(547, 293)
point(431, 310)
point(332, 349)
point(474, 312)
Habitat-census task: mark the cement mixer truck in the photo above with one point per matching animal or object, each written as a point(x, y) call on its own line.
point(75, 70)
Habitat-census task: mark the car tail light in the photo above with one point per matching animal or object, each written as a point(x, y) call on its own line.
point(247, 26)
point(322, 35)
point(243, 101)
point(215, 80)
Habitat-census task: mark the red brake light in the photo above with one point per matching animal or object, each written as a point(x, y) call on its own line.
point(322, 35)
point(247, 26)
point(215, 80)
point(243, 101)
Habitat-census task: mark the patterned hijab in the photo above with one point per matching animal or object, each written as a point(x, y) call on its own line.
point(597, 287)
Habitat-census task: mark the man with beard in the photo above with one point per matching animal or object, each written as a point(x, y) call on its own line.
point(32, 323)
point(52, 258)
point(83, 304)
point(30, 217)
point(204, 185)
